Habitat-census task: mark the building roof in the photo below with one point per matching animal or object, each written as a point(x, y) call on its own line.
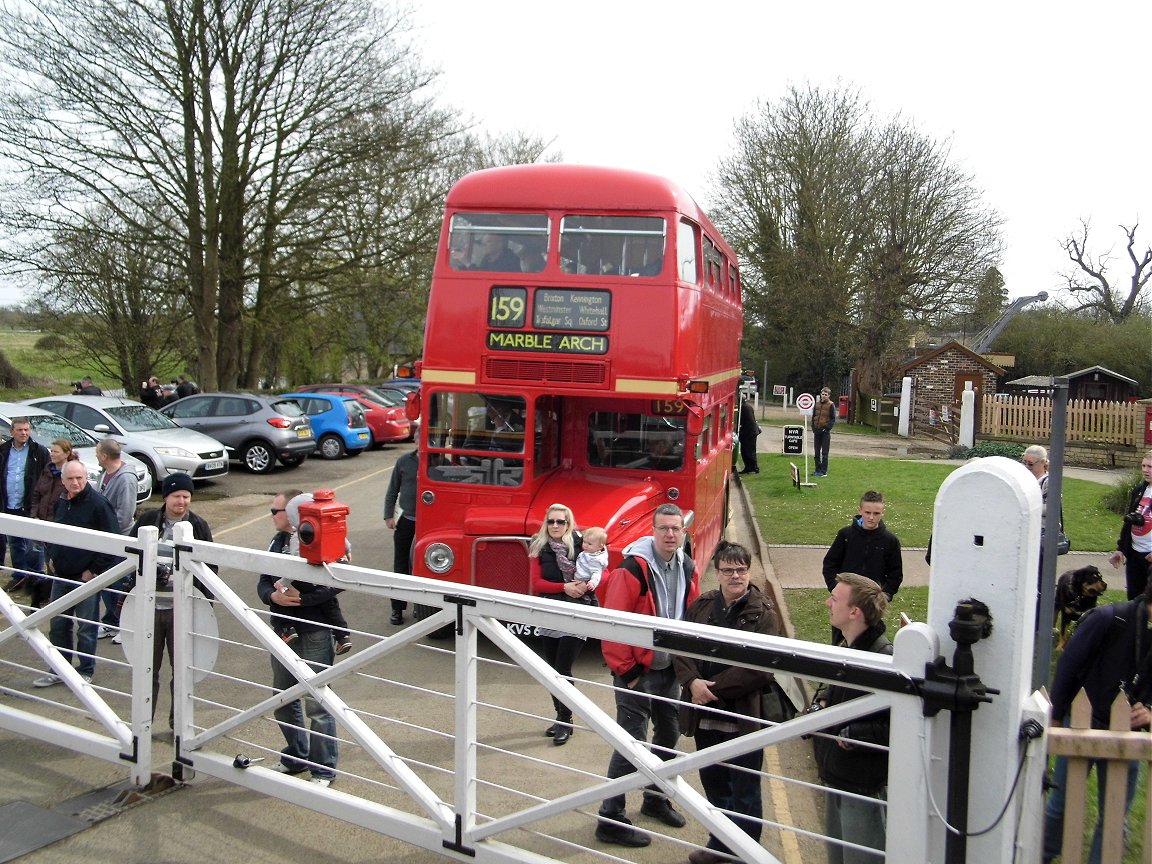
point(1046, 380)
point(949, 346)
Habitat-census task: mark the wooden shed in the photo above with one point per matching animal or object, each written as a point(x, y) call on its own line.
point(1095, 382)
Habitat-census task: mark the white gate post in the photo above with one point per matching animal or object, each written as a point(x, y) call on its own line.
point(905, 423)
point(139, 615)
point(985, 546)
point(968, 416)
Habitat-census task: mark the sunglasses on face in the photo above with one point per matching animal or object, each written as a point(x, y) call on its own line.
point(557, 521)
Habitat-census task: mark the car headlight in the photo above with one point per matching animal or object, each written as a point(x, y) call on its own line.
point(175, 451)
point(439, 558)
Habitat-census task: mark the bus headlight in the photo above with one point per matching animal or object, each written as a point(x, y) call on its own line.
point(439, 558)
point(673, 493)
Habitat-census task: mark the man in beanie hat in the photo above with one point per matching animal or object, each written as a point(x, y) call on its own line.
point(177, 490)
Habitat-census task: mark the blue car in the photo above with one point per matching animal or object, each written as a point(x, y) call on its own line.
point(338, 422)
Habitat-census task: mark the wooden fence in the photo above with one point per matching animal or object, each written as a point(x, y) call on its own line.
point(1089, 421)
point(1080, 743)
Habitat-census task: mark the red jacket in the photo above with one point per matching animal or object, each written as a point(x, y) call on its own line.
point(627, 592)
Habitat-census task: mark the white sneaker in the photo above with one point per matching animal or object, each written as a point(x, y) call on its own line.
point(322, 781)
point(281, 768)
point(87, 679)
point(46, 680)
point(106, 631)
point(118, 639)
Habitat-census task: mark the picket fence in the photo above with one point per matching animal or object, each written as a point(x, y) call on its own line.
point(1089, 421)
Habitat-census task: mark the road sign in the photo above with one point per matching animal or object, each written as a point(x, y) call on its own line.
point(805, 402)
point(782, 390)
point(793, 440)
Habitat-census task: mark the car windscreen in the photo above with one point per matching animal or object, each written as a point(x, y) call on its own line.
point(46, 428)
point(288, 407)
point(140, 418)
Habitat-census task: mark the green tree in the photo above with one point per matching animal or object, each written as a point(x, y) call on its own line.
point(238, 124)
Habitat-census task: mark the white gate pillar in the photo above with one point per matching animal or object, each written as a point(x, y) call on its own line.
point(904, 427)
point(985, 546)
point(968, 416)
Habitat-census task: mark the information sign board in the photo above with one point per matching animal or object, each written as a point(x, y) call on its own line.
point(793, 440)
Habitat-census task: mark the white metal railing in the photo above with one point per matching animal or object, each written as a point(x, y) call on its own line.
point(439, 746)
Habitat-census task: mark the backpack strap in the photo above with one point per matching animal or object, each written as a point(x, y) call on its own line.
point(638, 567)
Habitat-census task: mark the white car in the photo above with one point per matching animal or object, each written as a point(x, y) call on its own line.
point(148, 435)
point(47, 427)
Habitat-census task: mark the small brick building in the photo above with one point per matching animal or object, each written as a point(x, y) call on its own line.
point(938, 379)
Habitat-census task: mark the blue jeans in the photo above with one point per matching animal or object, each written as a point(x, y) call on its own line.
point(60, 632)
point(25, 557)
point(821, 442)
point(634, 708)
point(318, 746)
point(1054, 807)
point(861, 822)
point(732, 789)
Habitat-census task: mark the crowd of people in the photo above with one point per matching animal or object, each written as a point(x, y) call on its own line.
point(658, 696)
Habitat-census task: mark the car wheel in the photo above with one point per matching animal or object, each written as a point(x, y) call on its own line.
point(258, 457)
point(291, 461)
point(331, 447)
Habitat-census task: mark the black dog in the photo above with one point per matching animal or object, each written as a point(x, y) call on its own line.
point(1076, 592)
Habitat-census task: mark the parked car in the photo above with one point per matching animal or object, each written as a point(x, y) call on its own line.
point(338, 422)
point(47, 427)
point(395, 419)
point(146, 434)
point(385, 425)
point(401, 383)
point(256, 429)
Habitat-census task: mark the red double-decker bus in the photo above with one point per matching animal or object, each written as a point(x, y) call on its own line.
point(581, 347)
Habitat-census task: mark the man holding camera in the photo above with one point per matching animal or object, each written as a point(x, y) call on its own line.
point(177, 492)
point(1134, 548)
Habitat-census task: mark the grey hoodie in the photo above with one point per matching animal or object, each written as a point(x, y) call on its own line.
point(669, 583)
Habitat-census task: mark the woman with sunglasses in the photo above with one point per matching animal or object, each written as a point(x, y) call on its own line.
point(552, 557)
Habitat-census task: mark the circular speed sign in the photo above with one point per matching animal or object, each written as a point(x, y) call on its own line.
point(805, 402)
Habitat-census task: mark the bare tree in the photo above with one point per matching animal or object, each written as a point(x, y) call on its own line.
point(236, 121)
point(1088, 281)
point(851, 233)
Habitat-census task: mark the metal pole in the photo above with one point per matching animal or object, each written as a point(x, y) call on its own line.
point(1042, 659)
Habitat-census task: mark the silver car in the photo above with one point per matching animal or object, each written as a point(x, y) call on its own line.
point(47, 427)
point(165, 447)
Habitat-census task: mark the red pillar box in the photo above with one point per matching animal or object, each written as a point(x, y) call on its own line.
point(1148, 425)
point(323, 528)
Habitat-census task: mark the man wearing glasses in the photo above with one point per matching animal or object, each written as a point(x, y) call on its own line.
point(657, 578)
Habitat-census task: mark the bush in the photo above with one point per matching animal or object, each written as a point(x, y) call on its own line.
point(51, 342)
point(1120, 493)
point(1007, 449)
point(10, 376)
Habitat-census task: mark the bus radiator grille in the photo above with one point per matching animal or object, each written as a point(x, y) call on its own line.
point(501, 564)
point(554, 371)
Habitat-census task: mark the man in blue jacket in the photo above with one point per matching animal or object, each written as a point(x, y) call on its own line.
point(83, 507)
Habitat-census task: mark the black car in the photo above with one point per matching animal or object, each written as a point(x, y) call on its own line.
point(257, 430)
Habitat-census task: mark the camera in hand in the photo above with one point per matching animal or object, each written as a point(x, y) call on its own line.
point(164, 576)
point(1136, 519)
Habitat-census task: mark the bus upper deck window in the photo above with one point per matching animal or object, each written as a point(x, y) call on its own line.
point(686, 249)
point(499, 242)
point(612, 245)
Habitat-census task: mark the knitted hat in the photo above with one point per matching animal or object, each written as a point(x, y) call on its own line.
point(177, 483)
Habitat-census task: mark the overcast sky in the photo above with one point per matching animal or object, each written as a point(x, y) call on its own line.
point(1045, 104)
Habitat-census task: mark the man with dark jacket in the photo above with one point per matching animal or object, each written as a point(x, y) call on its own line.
point(22, 461)
point(730, 697)
point(82, 507)
point(1110, 651)
point(1134, 548)
point(866, 547)
point(177, 493)
point(749, 432)
point(856, 609)
point(823, 419)
point(402, 491)
point(313, 751)
point(656, 577)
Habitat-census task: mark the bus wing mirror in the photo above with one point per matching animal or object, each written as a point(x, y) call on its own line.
point(412, 405)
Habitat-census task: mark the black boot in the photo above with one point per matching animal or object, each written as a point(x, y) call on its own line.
point(562, 728)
